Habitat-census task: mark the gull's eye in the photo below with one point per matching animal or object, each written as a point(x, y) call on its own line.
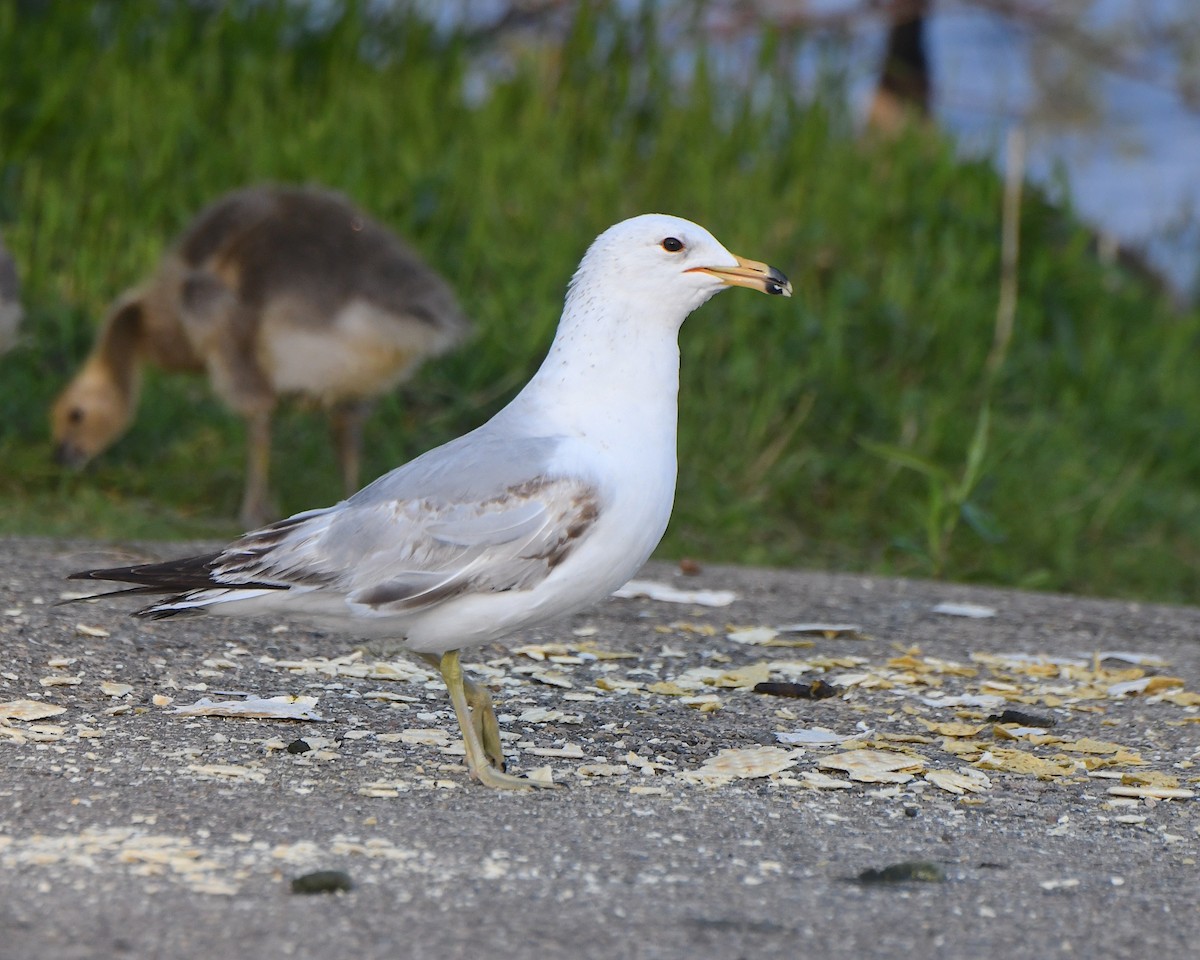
point(672, 244)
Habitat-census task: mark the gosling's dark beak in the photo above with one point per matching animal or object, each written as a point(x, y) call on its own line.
point(752, 274)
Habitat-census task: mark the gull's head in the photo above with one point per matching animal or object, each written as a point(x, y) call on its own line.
point(659, 260)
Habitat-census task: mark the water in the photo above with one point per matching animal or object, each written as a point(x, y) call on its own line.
point(1128, 146)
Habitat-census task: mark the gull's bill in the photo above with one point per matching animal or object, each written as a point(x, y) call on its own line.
point(752, 274)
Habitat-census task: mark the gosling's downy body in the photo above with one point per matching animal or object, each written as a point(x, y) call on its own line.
point(271, 291)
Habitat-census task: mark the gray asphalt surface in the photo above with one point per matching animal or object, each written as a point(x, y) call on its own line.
point(127, 830)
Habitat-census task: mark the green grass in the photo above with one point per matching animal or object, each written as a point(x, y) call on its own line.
point(1089, 479)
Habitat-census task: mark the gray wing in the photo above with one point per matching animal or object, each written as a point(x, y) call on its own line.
point(476, 516)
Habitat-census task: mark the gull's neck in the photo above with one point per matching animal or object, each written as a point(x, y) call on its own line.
point(612, 372)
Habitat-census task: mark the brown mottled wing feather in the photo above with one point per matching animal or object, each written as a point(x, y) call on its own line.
point(512, 543)
point(392, 556)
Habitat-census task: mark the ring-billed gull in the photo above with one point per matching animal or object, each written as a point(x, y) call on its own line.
point(550, 505)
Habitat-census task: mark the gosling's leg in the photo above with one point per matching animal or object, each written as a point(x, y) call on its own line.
point(346, 420)
point(256, 500)
point(477, 759)
point(224, 331)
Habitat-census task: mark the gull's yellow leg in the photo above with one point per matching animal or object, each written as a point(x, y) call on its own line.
point(477, 759)
point(483, 718)
point(483, 714)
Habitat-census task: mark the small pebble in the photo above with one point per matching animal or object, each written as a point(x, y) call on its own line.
point(323, 881)
point(1022, 718)
point(817, 690)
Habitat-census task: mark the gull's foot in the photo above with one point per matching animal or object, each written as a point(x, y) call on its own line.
point(479, 727)
point(483, 714)
point(483, 719)
point(489, 776)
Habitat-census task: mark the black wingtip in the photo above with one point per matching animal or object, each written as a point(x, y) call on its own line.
point(90, 575)
point(172, 576)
